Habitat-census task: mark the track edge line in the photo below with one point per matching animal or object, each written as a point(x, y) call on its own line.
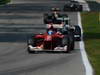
point(88, 67)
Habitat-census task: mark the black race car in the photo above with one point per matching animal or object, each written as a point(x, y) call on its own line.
point(62, 22)
point(75, 30)
point(73, 6)
point(53, 16)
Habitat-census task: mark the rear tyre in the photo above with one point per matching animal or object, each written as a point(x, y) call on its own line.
point(45, 18)
point(72, 41)
point(80, 8)
point(66, 42)
point(72, 45)
point(66, 9)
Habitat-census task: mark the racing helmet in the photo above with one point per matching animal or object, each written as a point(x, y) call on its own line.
point(55, 9)
point(50, 32)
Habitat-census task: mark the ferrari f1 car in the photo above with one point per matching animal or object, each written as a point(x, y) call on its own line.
point(73, 6)
point(51, 41)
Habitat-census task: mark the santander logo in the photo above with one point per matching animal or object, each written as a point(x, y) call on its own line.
point(48, 38)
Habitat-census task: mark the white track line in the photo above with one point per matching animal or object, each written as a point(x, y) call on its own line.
point(87, 65)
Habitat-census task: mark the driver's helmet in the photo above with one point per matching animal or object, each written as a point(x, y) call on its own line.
point(55, 9)
point(50, 32)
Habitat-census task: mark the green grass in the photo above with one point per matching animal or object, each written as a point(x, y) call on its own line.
point(4, 2)
point(91, 27)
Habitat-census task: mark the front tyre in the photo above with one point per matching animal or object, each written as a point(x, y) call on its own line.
point(30, 42)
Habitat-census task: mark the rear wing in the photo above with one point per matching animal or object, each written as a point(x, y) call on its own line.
point(63, 18)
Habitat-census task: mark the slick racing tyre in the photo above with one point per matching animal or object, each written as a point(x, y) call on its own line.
point(72, 41)
point(66, 9)
point(30, 42)
point(66, 42)
point(47, 19)
point(80, 8)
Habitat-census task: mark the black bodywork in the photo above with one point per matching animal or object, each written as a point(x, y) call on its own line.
point(67, 27)
point(76, 32)
point(50, 18)
point(73, 6)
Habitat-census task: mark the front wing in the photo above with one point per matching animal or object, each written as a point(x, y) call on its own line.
point(38, 49)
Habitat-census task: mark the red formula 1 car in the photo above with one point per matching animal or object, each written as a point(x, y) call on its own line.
point(52, 41)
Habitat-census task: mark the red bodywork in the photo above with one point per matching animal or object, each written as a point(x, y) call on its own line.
point(48, 41)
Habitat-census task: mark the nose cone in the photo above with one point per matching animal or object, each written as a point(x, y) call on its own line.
point(48, 38)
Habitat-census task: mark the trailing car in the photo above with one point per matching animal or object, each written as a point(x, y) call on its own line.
point(73, 6)
point(74, 29)
point(62, 22)
point(54, 16)
point(51, 41)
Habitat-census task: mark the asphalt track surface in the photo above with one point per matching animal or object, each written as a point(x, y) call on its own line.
point(37, 5)
point(15, 27)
